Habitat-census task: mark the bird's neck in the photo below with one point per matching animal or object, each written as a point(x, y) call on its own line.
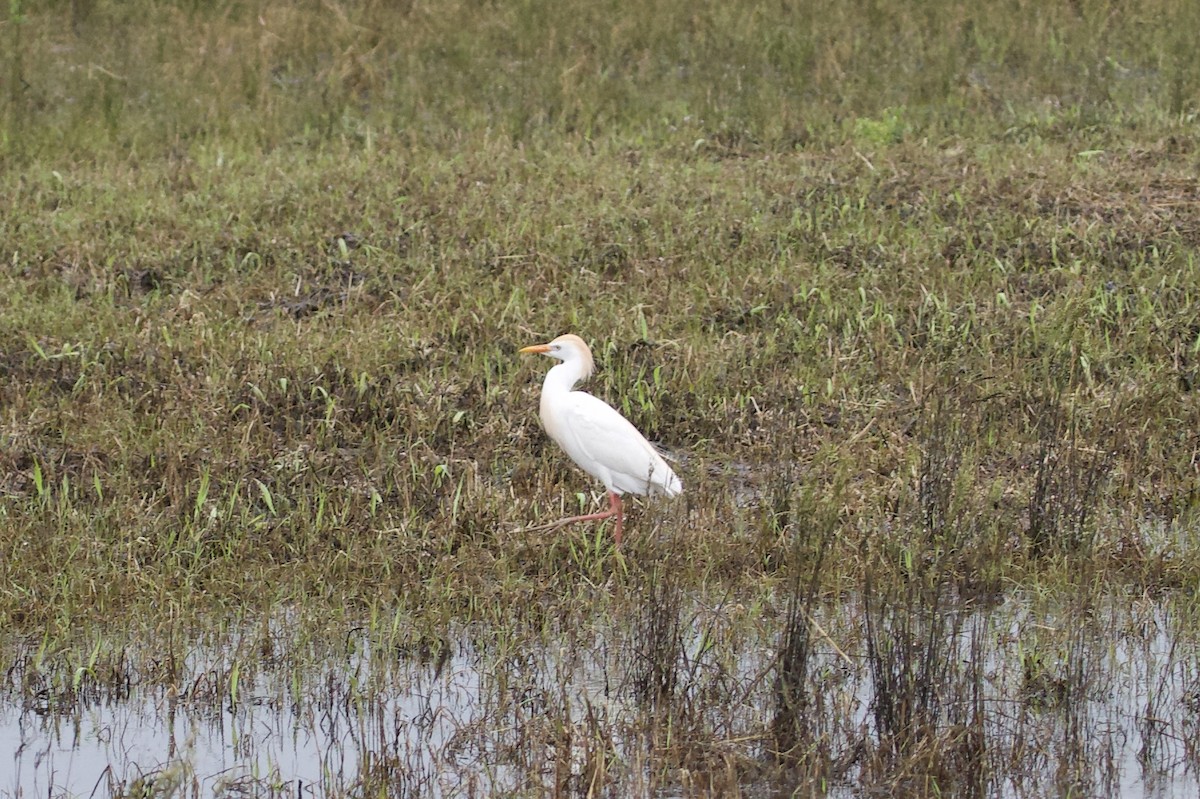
point(560, 379)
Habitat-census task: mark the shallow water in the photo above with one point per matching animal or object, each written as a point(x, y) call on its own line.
point(504, 716)
point(263, 743)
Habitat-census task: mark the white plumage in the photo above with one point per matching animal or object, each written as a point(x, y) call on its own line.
point(596, 436)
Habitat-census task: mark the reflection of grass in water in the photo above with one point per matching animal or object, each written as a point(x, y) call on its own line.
point(577, 701)
point(912, 293)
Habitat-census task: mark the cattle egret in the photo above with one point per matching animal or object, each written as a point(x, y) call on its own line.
point(600, 440)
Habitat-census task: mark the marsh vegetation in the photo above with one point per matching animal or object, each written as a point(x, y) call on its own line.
point(910, 290)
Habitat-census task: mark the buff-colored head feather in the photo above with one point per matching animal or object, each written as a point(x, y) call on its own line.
point(580, 346)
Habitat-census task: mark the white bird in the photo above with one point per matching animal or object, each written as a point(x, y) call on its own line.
point(599, 439)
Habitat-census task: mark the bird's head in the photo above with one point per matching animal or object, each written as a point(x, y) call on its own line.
point(568, 349)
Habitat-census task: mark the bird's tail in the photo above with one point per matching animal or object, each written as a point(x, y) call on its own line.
point(664, 481)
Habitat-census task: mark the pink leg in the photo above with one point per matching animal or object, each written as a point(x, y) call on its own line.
point(614, 509)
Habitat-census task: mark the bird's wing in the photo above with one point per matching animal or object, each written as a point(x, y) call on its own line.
point(594, 434)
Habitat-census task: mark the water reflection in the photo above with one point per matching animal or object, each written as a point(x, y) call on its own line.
point(1064, 710)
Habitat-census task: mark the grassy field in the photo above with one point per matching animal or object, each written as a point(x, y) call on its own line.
point(911, 291)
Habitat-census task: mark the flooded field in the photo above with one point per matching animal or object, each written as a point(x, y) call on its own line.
point(909, 289)
point(677, 701)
